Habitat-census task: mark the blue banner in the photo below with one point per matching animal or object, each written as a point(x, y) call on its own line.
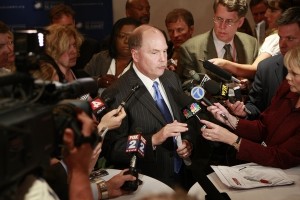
point(93, 17)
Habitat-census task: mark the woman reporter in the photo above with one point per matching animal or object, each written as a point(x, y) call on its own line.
point(274, 139)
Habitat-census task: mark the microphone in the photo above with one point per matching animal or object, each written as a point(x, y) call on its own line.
point(218, 71)
point(136, 145)
point(99, 106)
point(199, 77)
point(132, 91)
point(224, 92)
point(198, 93)
point(216, 89)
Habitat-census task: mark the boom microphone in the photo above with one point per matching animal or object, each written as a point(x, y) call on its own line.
point(218, 71)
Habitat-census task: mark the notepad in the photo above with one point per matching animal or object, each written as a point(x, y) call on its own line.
point(251, 175)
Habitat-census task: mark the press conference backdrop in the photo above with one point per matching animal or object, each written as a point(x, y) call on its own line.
point(93, 17)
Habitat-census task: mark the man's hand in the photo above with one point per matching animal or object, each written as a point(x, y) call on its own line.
point(114, 184)
point(170, 130)
point(78, 159)
point(185, 150)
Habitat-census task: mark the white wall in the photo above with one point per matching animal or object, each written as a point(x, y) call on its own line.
point(202, 11)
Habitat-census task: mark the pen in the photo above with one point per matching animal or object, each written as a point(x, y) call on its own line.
point(242, 168)
point(258, 180)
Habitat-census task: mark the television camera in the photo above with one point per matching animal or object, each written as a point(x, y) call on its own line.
point(34, 115)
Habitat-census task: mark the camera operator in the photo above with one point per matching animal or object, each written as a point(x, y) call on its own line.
point(58, 174)
point(77, 161)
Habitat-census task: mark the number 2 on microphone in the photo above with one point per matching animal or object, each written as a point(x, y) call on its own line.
point(142, 147)
point(132, 144)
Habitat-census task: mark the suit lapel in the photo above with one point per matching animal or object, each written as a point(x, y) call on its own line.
point(143, 96)
point(211, 51)
point(239, 49)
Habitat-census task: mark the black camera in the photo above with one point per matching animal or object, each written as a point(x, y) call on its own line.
point(34, 115)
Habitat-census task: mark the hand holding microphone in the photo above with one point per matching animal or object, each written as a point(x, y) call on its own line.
point(136, 145)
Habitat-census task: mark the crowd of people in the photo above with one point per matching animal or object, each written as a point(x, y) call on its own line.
point(138, 53)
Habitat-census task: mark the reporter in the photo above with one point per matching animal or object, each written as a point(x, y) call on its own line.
point(274, 139)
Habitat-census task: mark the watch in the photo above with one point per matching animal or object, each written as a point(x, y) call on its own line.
point(236, 144)
point(102, 189)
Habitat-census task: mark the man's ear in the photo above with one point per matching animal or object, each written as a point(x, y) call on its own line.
point(68, 139)
point(135, 55)
point(241, 21)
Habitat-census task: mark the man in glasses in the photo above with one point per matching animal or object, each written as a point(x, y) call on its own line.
point(223, 41)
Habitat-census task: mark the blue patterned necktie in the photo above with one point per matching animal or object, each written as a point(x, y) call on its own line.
point(162, 106)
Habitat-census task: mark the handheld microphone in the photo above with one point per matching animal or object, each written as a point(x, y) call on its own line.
point(216, 89)
point(224, 92)
point(200, 78)
point(135, 144)
point(99, 106)
point(198, 93)
point(132, 91)
point(218, 71)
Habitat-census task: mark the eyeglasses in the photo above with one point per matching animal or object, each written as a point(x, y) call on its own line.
point(228, 22)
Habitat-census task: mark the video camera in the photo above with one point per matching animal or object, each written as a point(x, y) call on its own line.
point(34, 115)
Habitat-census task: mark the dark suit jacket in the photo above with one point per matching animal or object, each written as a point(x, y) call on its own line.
point(269, 75)
point(202, 47)
point(143, 115)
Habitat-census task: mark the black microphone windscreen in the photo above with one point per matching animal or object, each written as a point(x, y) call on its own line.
point(216, 70)
point(184, 100)
point(212, 87)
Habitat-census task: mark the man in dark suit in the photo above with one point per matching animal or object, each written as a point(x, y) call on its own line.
point(271, 71)
point(149, 52)
point(228, 17)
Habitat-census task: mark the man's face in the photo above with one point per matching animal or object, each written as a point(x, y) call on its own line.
point(6, 48)
point(258, 12)
point(69, 57)
point(179, 32)
point(151, 58)
point(65, 20)
point(226, 23)
point(289, 37)
point(139, 10)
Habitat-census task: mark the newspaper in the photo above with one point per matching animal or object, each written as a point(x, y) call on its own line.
point(251, 175)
